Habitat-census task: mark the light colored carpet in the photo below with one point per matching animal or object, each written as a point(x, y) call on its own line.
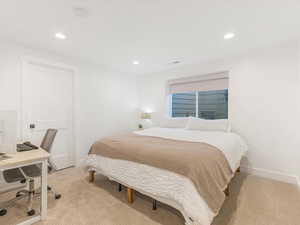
point(253, 201)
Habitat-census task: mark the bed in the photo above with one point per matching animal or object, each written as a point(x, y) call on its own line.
point(163, 181)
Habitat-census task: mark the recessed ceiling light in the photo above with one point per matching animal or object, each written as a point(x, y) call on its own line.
point(135, 62)
point(60, 36)
point(229, 35)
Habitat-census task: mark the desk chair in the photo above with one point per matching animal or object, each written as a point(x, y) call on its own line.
point(10, 180)
point(33, 171)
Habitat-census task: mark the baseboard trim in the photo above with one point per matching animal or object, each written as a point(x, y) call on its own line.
point(81, 162)
point(298, 182)
point(61, 162)
point(274, 175)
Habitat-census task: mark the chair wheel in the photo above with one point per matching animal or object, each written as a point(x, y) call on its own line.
point(18, 195)
point(57, 196)
point(31, 212)
point(3, 212)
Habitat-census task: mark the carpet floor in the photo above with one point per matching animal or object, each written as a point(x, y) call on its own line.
point(252, 201)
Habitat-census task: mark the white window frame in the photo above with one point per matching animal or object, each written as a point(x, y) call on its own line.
point(208, 76)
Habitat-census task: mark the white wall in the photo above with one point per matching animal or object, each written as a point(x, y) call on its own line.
point(105, 102)
point(264, 98)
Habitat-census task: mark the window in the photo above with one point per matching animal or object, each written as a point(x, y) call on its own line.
point(202, 104)
point(184, 104)
point(204, 97)
point(213, 104)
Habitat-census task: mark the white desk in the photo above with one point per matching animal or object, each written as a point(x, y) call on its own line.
point(30, 158)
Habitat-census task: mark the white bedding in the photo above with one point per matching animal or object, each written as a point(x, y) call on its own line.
point(168, 187)
point(229, 143)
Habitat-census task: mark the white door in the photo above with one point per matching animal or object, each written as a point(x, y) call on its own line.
point(47, 100)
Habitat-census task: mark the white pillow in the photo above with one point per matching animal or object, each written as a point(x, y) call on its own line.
point(208, 125)
point(178, 122)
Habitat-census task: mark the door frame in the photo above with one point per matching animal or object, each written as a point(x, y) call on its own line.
point(50, 64)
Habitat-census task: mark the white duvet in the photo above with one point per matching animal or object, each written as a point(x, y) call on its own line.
point(168, 187)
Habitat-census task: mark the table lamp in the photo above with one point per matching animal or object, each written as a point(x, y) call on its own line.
point(146, 117)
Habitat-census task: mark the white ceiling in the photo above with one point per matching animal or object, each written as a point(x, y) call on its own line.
point(155, 32)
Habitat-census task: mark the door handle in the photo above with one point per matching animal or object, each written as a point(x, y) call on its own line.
point(32, 126)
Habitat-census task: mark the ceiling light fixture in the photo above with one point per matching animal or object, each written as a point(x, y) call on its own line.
point(60, 36)
point(135, 62)
point(229, 36)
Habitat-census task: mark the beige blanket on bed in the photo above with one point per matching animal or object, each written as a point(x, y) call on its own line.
point(205, 165)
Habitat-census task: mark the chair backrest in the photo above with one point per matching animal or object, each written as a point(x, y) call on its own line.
point(47, 144)
point(48, 140)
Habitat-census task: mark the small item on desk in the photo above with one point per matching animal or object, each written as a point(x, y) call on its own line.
point(26, 146)
point(3, 156)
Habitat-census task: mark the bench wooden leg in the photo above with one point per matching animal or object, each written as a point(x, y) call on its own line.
point(91, 176)
point(130, 195)
point(227, 191)
point(154, 204)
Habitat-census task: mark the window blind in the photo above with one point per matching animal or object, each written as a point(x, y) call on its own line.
point(184, 104)
point(209, 82)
